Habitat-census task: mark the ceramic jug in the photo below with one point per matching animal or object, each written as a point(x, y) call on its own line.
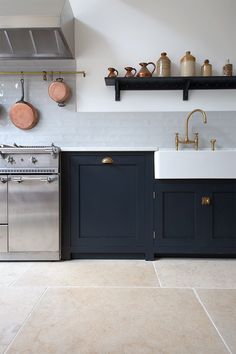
point(187, 65)
point(228, 69)
point(206, 68)
point(163, 65)
point(130, 72)
point(112, 72)
point(144, 72)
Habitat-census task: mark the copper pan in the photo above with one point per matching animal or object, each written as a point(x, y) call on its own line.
point(22, 114)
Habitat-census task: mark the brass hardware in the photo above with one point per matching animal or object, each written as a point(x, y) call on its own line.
point(186, 139)
point(40, 73)
point(213, 144)
point(107, 160)
point(206, 200)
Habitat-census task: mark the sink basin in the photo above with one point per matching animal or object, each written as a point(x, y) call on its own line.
point(172, 164)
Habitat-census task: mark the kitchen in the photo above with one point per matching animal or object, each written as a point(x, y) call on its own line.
point(124, 305)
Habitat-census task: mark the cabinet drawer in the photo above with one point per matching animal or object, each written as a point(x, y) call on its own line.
point(3, 238)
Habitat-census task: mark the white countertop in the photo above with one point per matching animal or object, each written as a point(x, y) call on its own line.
point(108, 148)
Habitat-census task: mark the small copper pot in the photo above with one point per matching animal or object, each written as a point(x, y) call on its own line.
point(59, 92)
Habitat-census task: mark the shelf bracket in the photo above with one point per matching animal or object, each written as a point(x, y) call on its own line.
point(117, 90)
point(185, 91)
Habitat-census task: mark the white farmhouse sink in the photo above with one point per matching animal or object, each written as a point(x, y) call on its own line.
point(172, 164)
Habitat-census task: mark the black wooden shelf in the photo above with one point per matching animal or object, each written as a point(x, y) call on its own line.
point(171, 83)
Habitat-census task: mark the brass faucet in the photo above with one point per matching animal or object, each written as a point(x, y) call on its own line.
point(186, 139)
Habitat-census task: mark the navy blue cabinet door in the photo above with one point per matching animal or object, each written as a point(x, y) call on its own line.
point(108, 204)
point(195, 217)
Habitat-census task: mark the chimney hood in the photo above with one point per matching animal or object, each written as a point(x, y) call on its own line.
point(38, 37)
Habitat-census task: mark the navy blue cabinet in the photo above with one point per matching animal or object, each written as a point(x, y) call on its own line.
point(107, 204)
point(195, 217)
point(112, 207)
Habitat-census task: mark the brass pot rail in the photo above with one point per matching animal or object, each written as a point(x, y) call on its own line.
point(43, 73)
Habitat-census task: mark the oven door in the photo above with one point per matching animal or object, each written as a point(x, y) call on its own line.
point(33, 213)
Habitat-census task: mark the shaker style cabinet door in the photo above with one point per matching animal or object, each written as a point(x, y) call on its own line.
point(223, 213)
point(176, 217)
point(106, 206)
point(195, 217)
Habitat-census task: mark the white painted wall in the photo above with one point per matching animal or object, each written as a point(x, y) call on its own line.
point(124, 32)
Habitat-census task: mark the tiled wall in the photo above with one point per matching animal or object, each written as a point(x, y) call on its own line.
point(66, 127)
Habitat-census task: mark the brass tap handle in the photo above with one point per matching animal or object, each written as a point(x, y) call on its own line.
point(196, 141)
point(107, 160)
point(213, 144)
point(177, 141)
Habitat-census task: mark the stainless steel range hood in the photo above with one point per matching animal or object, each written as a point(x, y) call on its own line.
point(38, 37)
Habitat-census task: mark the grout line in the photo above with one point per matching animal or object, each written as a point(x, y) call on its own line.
point(25, 320)
point(101, 287)
point(158, 278)
point(20, 275)
point(211, 320)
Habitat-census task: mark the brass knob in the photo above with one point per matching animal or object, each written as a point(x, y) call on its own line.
point(206, 200)
point(107, 160)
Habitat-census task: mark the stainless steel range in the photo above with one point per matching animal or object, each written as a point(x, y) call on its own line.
point(29, 202)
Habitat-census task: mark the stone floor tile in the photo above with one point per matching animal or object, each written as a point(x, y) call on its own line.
point(90, 273)
point(118, 321)
point(10, 271)
point(221, 306)
point(197, 273)
point(15, 305)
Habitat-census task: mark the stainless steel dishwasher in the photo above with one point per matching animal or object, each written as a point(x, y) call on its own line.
point(29, 203)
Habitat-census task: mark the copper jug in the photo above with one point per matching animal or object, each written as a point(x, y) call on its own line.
point(112, 72)
point(144, 72)
point(131, 72)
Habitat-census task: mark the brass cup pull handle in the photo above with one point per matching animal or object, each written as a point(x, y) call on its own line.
point(206, 200)
point(107, 160)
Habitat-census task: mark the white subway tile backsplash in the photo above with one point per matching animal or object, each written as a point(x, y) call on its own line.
point(65, 127)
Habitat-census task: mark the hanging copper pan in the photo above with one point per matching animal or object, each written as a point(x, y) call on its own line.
point(23, 115)
point(59, 91)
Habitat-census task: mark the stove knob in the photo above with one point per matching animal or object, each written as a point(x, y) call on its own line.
point(3, 179)
point(10, 159)
point(34, 160)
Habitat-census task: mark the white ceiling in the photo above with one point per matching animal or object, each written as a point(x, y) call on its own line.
point(31, 7)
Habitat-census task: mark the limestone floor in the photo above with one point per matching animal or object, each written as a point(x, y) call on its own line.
point(180, 306)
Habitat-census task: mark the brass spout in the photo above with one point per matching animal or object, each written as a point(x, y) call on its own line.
point(190, 115)
point(186, 139)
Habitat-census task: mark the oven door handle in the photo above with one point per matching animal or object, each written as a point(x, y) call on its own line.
point(21, 179)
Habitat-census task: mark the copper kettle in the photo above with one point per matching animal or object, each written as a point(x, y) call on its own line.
point(144, 72)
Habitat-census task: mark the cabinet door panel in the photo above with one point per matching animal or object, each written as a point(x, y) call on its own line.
point(107, 201)
point(224, 215)
point(107, 204)
point(178, 215)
